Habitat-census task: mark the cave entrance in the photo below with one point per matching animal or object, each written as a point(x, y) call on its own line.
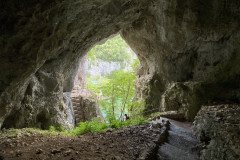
point(106, 81)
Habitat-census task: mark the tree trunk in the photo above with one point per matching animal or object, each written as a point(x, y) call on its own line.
point(113, 101)
point(125, 101)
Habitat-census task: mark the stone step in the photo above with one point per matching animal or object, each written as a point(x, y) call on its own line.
point(79, 109)
point(179, 145)
point(76, 108)
point(75, 98)
point(76, 103)
point(78, 119)
point(76, 112)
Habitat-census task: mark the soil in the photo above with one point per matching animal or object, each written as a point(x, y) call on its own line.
point(135, 142)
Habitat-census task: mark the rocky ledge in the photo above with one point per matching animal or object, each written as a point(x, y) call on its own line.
point(134, 142)
point(218, 128)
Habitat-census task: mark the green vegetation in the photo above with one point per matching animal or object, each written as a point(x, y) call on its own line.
point(30, 131)
point(156, 114)
point(10, 133)
point(116, 90)
point(118, 124)
point(116, 93)
point(114, 50)
point(95, 126)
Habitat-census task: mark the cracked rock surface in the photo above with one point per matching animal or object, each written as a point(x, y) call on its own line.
point(218, 128)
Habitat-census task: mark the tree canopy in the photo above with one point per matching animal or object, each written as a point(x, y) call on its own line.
point(116, 91)
point(113, 50)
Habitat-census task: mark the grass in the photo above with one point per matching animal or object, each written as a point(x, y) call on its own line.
point(29, 131)
point(10, 133)
point(156, 114)
point(93, 126)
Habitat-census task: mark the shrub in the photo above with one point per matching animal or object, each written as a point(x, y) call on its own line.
point(95, 126)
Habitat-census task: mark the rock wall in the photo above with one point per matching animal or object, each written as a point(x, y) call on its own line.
point(191, 47)
point(85, 103)
point(101, 68)
point(41, 45)
point(218, 128)
point(84, 108)
point(189, 52)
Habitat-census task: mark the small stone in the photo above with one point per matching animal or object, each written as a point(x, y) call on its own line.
point(109, 130)
point(18, 153)
point(39, 151)
point(67, 153)
point(54, 151)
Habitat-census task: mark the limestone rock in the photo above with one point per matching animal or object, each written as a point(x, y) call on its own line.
point(190, 50)
point(188, 42)
point(218, 127)
point(42, 43)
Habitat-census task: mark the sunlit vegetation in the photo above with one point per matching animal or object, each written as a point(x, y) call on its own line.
point(113, 50)
point(115, 93)
point(116, 90)
point(95, 126)
point(156, 114)
point(52, 132)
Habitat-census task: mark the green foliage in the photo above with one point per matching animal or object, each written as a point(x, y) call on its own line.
point(9, 133)
point(116, 90)
point(114, 50)
point(118, 124)
point(138, 106)
point(118, 93)
point(52, 129)
point(156, 114)
point(135, 65)
point(93, 126)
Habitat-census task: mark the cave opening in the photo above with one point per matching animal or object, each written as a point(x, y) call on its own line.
point(105, 82)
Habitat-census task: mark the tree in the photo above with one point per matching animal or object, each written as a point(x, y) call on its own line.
point(114, 50)
point(116, 90)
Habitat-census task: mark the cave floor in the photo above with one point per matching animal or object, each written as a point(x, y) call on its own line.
point(133, 142)
point(158, 139)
